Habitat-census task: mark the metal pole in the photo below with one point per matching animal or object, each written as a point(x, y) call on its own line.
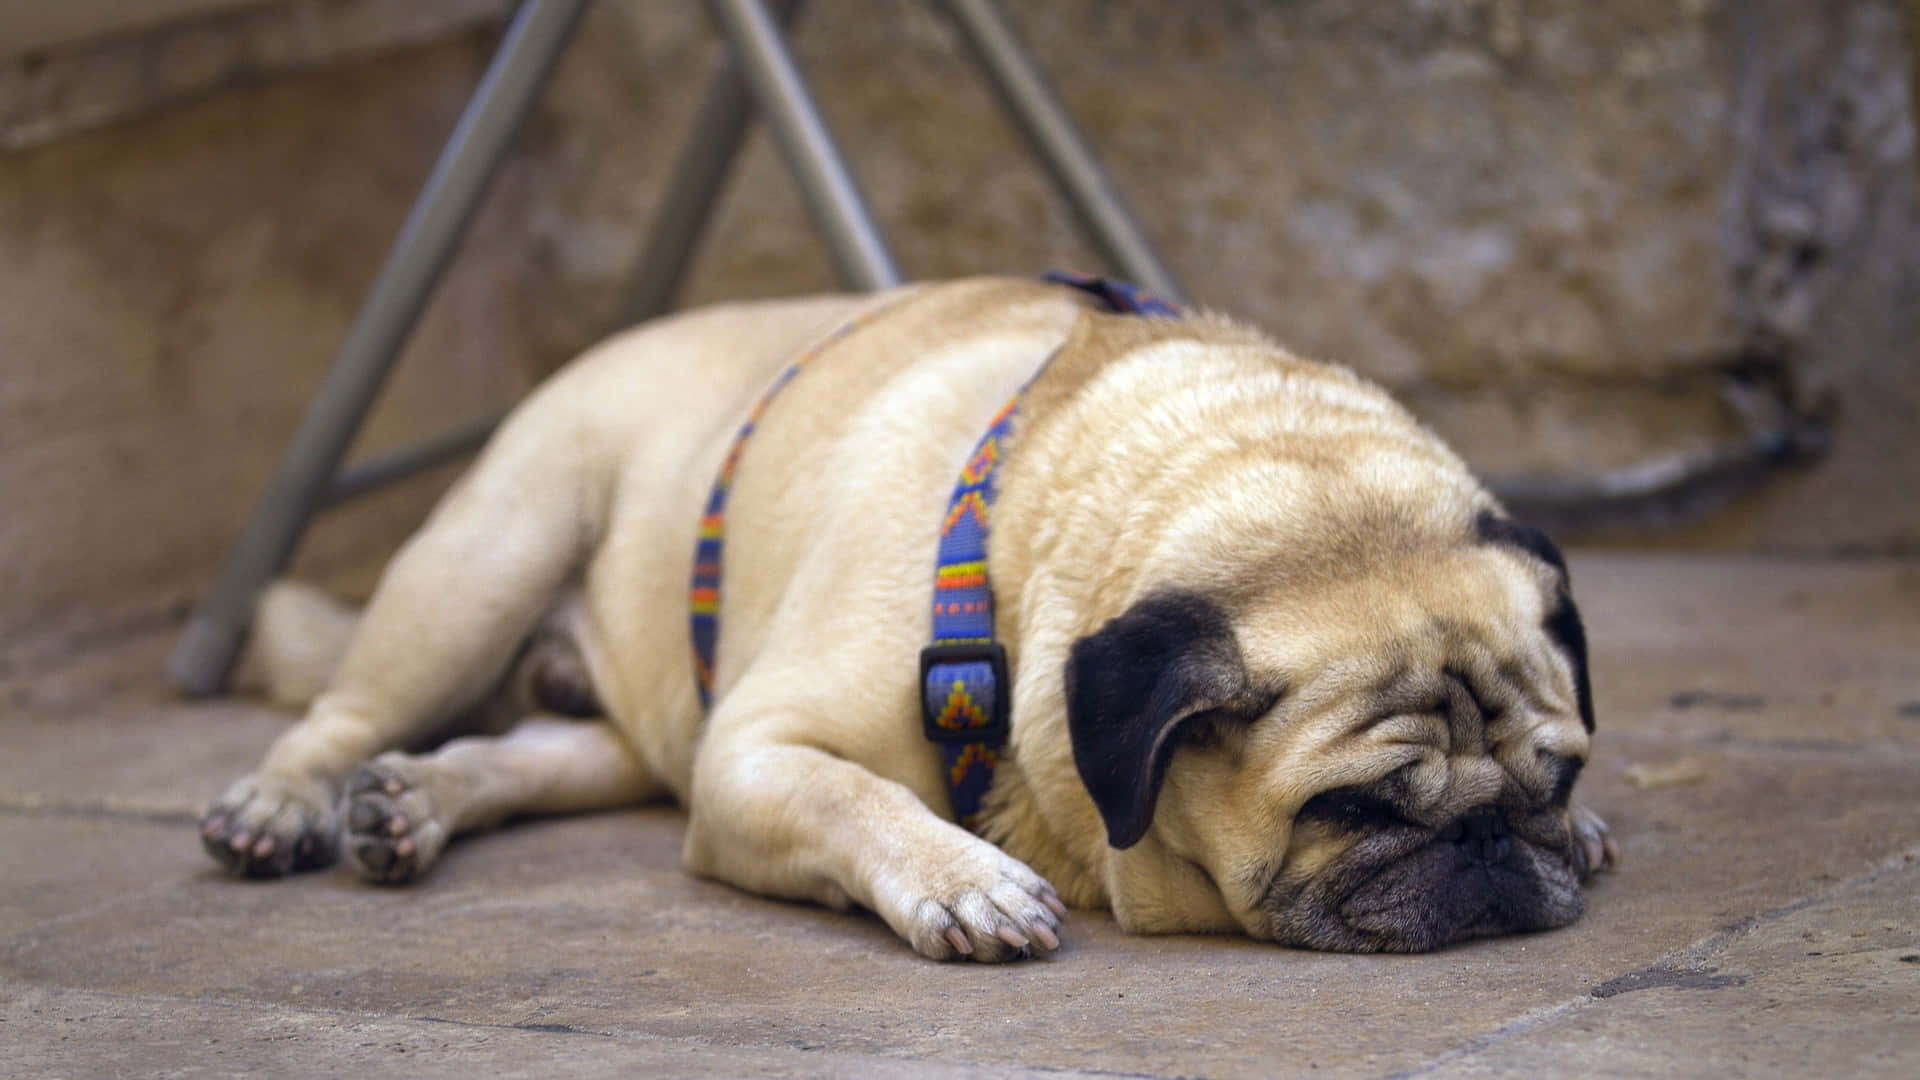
point(1036, 109)
point(718, 129)
point(358, 479)
point(519, 69)
point(839, 210)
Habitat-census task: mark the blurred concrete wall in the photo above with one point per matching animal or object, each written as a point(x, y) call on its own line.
point(1651, 264)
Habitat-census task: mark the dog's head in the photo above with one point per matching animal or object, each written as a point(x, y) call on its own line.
point(1375, 757)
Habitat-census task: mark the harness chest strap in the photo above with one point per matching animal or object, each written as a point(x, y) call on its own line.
point(703, 600)
point(963, 672)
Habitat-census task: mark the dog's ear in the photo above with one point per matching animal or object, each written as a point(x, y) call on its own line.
point(1563, 625)
point(1131, 690)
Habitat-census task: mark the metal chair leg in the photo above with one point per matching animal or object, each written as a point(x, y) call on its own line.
point(1056, 139)
point(718, 130)
point(833, 196)
point(533, 42)
point(761, 71)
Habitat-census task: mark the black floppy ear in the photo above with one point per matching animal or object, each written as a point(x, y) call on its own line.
point(1563, 623)
point(1130, 690)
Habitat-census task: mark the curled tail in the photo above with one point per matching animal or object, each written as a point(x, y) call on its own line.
point(299, 635)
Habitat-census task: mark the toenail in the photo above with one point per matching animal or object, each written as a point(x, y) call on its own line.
point(397, 825)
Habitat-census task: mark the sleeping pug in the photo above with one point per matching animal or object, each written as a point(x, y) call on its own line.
point(1276, 662)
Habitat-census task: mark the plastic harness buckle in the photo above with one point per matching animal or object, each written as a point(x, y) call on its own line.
point(963, 692)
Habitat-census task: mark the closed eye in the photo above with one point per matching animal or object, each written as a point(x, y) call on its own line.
point(1352, 808)
point(1564, 770)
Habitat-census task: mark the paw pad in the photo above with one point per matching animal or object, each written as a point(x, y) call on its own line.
point(269, 827)
point(391, 837)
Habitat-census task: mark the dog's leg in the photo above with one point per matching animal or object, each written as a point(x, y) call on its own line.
point(401, 809)
point(794, 820)
point(447, 617)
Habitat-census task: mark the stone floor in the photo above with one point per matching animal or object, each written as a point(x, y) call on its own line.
point(1759, 758)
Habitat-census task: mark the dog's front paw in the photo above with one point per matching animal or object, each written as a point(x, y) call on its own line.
point(1594, 849)
point(982, 905)
point(267, 826)
point(393, 834)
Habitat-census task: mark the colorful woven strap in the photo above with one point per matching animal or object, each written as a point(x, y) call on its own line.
point(703, 605)
point(964, 689)
point(963, 674)
point(1120, 297)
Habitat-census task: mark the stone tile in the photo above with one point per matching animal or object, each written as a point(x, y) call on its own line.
point(103, 731)
point(1791, 653)
point(589, 925)
point(144, 756)
point(1761, 828)
point(84, 1033)
point(1825, 988)
point(67, 865)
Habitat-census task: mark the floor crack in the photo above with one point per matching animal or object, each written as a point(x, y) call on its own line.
point(107, 809)
point(1687, 967)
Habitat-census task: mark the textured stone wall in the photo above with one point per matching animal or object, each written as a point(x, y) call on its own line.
point(1633, 257)
point(1589, 242)
point(171, 288)
point(1600, 247)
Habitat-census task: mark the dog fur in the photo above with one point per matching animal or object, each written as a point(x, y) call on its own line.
point(1280, 665)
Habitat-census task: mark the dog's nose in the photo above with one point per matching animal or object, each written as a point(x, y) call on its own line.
point(1481, 835)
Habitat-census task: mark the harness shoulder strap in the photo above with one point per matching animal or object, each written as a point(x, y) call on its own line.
point(964, 688)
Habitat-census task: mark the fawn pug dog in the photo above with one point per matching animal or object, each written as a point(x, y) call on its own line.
point(1279, 664)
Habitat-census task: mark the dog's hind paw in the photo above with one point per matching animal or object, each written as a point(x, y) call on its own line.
point(1594, 848)
point(269, 826)
point(987, 906)
point(392, 833)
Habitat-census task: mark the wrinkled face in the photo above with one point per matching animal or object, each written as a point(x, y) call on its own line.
point(1452, 823)
point(1382, 765)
